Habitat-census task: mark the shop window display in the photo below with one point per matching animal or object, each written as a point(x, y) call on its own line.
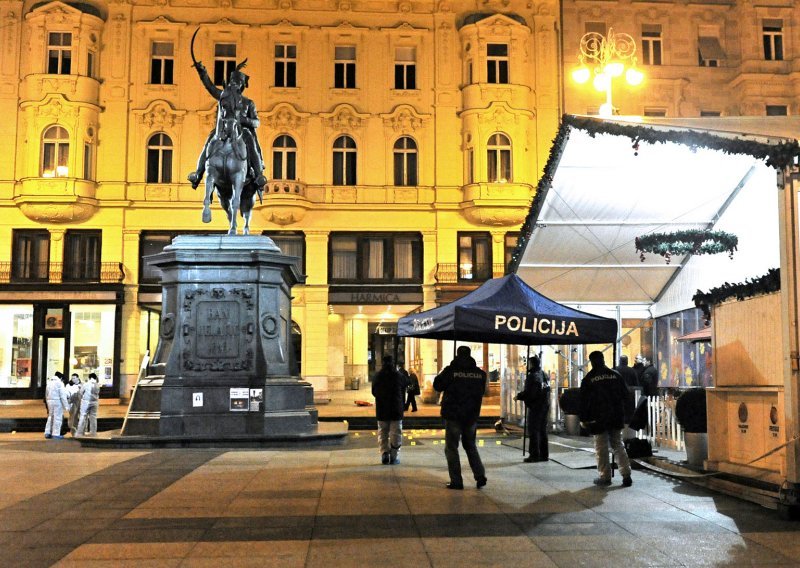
point(92, 342)
point(16, 351)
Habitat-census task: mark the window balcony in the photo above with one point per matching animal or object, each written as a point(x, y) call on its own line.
point(59, 272)
point(452, 273)
point(496, 204)
point(284, 202)
point(57, 199)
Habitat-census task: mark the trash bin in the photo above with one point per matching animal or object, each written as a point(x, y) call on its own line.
point(355, 384)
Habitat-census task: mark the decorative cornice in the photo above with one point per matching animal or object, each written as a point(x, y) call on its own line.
point(404, 119)
point(344, 118)
point(159, 114)
point(283, 117)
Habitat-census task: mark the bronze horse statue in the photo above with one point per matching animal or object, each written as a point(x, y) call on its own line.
point(226, 173)
point(231, 156)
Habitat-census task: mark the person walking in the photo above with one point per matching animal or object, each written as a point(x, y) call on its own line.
point(536, 396)
point(649, 378)
point(57, 403)
point(413, 391)
point(602, 412)
point(90, 398)
point(74, 398)
point(389, 388)
point(462, 384)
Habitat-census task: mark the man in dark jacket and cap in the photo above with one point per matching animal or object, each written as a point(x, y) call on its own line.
point(389, 389)
point(632, 382)
point(602, 412)
point(463, 384)
point(536, 396)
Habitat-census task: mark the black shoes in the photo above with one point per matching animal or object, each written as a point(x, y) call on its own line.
point(385, 458)
point(481, 482)
point(627, 481)
point(457, 486)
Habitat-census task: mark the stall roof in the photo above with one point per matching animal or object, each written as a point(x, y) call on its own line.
point(610, 181)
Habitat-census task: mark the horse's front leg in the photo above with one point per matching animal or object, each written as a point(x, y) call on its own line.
point(207, 200)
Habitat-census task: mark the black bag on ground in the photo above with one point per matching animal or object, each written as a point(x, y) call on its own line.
point(637, 448)
point(639, 417)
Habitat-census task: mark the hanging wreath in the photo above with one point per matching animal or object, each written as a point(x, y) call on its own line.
point(685, 242)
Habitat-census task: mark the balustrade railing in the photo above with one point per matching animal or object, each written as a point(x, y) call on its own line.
point(59, 272)
point(452, 273)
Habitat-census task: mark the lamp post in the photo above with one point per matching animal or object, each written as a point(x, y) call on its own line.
point(607, 57)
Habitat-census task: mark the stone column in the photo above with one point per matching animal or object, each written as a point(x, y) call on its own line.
point(315, 338)
point(56, 255)
point(130, 351)
point(357, 346)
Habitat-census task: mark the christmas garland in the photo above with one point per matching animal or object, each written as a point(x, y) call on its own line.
point(778, 156)
point(685, 242)
point(769, 282)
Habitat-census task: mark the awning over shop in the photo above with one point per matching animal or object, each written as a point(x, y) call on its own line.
point(703, 334)
point(506, 310)
point(608, 182)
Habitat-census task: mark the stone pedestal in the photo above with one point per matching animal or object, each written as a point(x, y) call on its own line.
point(223, 367)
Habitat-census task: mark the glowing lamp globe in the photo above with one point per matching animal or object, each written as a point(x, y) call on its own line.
point(581, 74)
point(634, 77)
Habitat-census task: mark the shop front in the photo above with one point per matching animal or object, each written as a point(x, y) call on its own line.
point(70, 336)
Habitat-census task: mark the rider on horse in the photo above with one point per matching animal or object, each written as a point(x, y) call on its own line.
point(231, 98)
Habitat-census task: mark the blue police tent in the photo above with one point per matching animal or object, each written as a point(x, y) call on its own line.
point(506, 310)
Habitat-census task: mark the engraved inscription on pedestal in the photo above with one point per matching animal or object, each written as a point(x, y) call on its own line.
point(218, 330)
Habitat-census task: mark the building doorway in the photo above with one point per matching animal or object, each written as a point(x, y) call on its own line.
point(51, 335)
point(383, 340)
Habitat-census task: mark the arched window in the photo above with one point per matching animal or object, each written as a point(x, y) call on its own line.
point(284, 158)
point(498, 158)
point(159, 159)
point(55, 152)
point(344, 161)
point(405, 161)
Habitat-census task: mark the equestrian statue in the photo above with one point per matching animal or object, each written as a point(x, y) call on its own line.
point(231, 157)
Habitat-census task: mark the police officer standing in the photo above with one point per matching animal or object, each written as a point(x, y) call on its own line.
point(536, 397)
point(463, 385)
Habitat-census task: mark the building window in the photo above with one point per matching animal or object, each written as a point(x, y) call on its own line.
point(773, 40)
point(655, 112)
point(90, 63)
point(150, 244)
point(30, 257)
point(651, 44)
point(497, 63)
point(468, 71)
point(405, 68)
point(92, 333)
point(498, 159)
point(474, 256)
point(709, 51)
point(162, 62)
point(376, 257)
point(710, 113)
point(82, 256)
point(344, 161)
point(510, 246)
point(344, 67)
point(16, 346)
point(285, 65)
point(405, 161)
point(88, 164)
point(55, 152)
point(291, 243)
point(159, 159)
point(224, 62)
point(595, 27)
point(777, 110)
point(284, 158)
point(471, 166)
point(59, 53)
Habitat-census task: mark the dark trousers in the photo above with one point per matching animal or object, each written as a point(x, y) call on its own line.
point(455, 431)
point(537, 435)
point(411, 400)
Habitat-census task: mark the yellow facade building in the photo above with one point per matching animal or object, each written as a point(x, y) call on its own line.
point(402, 141)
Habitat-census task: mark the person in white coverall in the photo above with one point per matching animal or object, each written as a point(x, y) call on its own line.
point(56, 396)
point(90, 395)
point(74, 398)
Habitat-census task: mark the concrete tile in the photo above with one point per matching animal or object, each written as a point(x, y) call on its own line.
point(282, 550)
point(493, 558)
point(111, 536)
point(591, 559)
point(494, 544)
point(390, 552)
point(121, 563)
point(130, 551)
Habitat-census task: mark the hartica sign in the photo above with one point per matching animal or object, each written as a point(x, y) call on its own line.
point(535, 325)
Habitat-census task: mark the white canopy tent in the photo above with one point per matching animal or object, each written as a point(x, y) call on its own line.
point(608, 182)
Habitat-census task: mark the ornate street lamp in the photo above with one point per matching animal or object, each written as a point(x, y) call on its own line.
point(607, 57)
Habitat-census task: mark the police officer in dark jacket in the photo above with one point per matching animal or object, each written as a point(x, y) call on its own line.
point(389, 389)
point(602, 412)
point(631, 381)
point(536, 397)
point(649, 378)
point(463, 385)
